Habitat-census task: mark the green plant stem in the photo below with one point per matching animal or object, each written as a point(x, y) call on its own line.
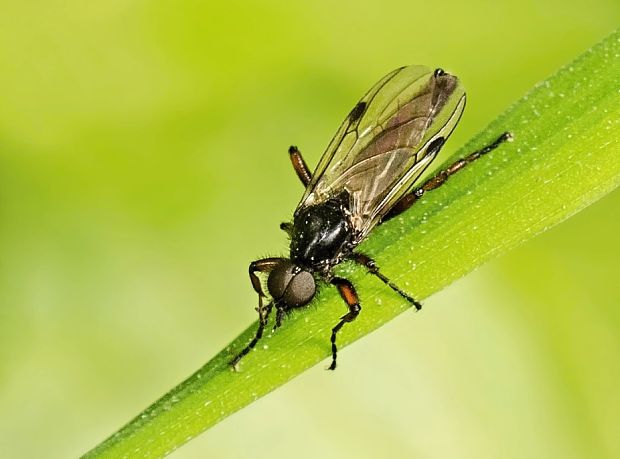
point(566, 155)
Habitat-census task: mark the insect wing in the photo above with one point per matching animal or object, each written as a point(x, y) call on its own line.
point(381, 148)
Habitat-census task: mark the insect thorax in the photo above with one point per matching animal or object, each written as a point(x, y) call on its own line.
point(321, 234)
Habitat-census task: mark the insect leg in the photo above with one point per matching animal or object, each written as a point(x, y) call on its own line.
point(372, 267)
point(265, 265)
point(280, 313)
point(300, 165)
point(262, 266)
point(263, 316)
point(287, 227)
point(348, 294)
point(442, 176)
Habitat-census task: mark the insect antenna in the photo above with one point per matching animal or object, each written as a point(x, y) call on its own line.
point(263, 316)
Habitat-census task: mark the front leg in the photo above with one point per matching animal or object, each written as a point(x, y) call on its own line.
point(348, 294)
point(263, 315)
point(259, 266)
point(264, 265)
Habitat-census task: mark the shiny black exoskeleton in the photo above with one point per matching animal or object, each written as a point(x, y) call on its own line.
point(321, 234)
point(382, 148)
point(321, 237)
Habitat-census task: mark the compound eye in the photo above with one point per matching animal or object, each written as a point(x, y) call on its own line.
point(300, 290)
point(287, 283)
point(279, 279)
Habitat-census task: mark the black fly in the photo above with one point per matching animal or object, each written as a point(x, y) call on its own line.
point(367, 175)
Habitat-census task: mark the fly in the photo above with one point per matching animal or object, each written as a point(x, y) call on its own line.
point(368, 174)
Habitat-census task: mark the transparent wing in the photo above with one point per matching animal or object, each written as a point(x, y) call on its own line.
point(380, 149)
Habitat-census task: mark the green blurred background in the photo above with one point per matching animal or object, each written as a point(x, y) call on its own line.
point(143, 165)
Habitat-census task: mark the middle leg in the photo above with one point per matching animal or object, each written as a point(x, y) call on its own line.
point(373, 269)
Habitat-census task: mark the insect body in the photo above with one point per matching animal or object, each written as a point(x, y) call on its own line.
point(367, 175)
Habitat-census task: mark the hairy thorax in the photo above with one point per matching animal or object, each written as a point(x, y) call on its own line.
point(321, 235)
